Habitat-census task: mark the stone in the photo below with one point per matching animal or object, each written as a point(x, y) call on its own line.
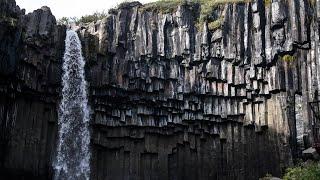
point(168, 101)
point(311, 153)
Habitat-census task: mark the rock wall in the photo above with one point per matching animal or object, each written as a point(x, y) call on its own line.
point(31, 48)
point(168, 101)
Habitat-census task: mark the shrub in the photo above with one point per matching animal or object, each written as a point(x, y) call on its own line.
point(63, 20)
point(306, 172)
point(67, 20)
point(93, 17)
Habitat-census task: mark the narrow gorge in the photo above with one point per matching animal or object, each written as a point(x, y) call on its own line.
point(162, 96)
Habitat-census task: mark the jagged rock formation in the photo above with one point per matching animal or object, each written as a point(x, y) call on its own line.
point(31, 52)
point(168, 101)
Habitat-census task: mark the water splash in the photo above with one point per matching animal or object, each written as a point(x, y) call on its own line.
point(73, 155)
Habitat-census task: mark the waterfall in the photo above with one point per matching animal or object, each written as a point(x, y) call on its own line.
point(73, 156)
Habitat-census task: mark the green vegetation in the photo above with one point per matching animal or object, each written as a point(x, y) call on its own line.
point(11, 21)
point(267, 3)
point(209, 6)
point(164, 6)
point(93, 17)
point(204, 9)
point(288, 58)
point(313, 3)
point(214, 25)
point(266, 177)
point(84, 19)
point(124, 3)
point(63, 20)
point(67, 20)
point(90, 17)
point(309, 171)
point(304, 171)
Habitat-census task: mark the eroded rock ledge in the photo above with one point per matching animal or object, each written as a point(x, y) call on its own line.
point(168, 101)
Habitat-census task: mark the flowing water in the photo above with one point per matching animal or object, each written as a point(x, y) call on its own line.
point(73, 156)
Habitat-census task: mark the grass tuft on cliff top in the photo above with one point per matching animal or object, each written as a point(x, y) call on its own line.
point(204, 10)
point(163, 6)
point(205, 13)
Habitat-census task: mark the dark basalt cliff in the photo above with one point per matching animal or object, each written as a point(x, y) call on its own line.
point(31, 48)
point(167, 101)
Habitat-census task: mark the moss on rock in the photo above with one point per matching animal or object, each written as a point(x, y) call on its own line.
point(288, 58)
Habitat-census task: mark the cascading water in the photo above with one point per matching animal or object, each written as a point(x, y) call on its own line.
point(73, 155)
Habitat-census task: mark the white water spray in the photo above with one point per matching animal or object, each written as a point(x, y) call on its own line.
point(73, 155)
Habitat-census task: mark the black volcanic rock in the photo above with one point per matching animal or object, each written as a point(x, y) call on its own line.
point(31, 52)
point(168, 101)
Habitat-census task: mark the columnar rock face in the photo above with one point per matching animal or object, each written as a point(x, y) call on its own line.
point(168, 101)
point(31, 49)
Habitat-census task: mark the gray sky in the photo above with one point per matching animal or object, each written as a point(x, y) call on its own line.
point(71, 8)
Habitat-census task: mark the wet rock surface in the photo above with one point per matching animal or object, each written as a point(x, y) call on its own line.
point(167, 101)
point(31, 52)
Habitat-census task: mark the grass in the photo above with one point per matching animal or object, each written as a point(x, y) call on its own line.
point(165, 6)
point(203, 9)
